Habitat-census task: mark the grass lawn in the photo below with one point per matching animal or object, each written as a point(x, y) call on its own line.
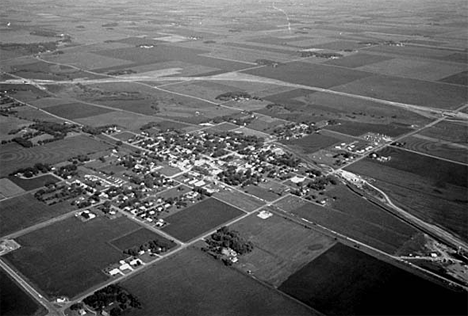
point(67, 257)
point(345, 281)
point(261, 193)
point(192, 283)
point(200, 218)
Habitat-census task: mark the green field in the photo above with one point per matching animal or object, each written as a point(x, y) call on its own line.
point(281, 247)
point(67, 257)
point(25, 210)
point(200, 218)
point(193, 283)
point(345, 281)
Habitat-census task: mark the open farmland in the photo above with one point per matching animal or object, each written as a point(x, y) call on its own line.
point(281, 247)
point(34, 183)
point(15, 301)
point(357, 60)
point(411, 91)
point(200, 218)
point(312, 143)
point(76, 110)
point(345, 281)
point(261, 193)
point(460, 78)
point(455, 132)
point(138, 238)
point(408, 68)
point(438, 148)
point(67, 257)
point(25, 210)
point(358, 129)
point(193, 283)
point(127, 120)
point(9, 188)
point(243, 201)
point(13, 157)
point(10, 123)
point(310, 75)
point(359, 219)
point(432, 189)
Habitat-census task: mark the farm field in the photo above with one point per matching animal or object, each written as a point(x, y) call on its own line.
point(310, 75)
point(281, 247)
point(459, 78)
point(14, 157)
point(358, 129)
point(25, 210)
point(243, 201)
point(408, 68)
point(359, 219)
point(138, 238)
point(448, 131)
point(358, 60)
point(410, 91)
point(10, 123)
point(438, 148)
point(15, 301)
point(193, 283)
point(34, 183)
point(312, 143)
point(200, 218)
point(345, 281)
point(432, 189)
point(127, 120)
point(261, 193)
point(74, 111)
point(9, 188)
point(28, 113)
point(66, 258)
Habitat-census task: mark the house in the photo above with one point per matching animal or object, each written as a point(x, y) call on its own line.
point(114, 272)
